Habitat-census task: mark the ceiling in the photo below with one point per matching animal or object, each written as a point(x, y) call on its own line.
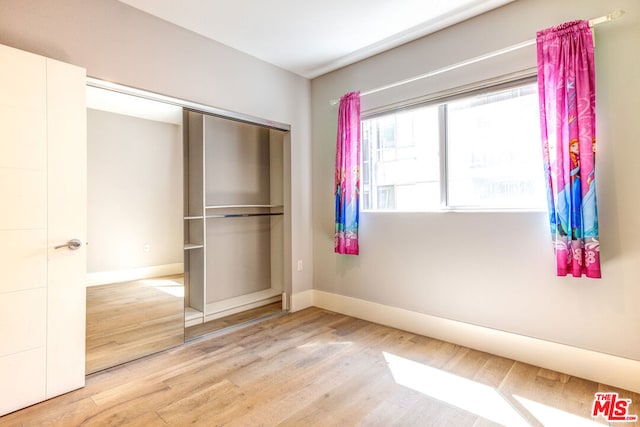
point(314, 37)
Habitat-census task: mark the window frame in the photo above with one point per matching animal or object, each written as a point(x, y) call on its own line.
point(441, 100)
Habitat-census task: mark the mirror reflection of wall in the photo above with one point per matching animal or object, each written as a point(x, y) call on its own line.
point(135, 293)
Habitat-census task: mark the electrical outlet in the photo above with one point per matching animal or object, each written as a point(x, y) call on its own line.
point(299, 265)
point(146, 248)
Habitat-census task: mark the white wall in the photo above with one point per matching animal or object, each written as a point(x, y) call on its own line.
point(496, 269)
point(118, 43)
point(134, 185)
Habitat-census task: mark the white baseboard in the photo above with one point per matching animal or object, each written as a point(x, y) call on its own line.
point(602, 368)
point(116, 276)
point(302, 300)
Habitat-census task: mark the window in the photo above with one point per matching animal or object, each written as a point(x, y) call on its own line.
point(400, 166)
point(386, 197)
point(476, 152)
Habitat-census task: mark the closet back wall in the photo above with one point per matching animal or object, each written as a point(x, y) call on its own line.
point(135, 195)
point(237, 161)
point(237, 173)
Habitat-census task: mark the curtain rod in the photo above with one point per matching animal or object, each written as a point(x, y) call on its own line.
point(592, 22)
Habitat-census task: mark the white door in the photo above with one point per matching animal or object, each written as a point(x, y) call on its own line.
point(42, 205)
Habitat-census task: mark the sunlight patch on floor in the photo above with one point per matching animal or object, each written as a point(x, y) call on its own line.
point(171, 287)
point(478, 398)
point(463, 393)
point(554, 417)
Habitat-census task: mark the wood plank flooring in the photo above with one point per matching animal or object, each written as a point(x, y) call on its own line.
point(129, 320)
point(231, 320)
point(318, 368)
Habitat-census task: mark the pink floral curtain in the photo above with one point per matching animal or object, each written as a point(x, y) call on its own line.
point(347, 175)
point(566, 83)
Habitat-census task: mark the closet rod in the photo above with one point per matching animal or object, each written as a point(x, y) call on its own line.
point(242, 215)
point(592, 22)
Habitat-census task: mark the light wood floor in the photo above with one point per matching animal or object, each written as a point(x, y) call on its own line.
point(318, 368)
point(231, 320)
point(129, 320)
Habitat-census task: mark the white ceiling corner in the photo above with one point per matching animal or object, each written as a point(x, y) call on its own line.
point(314, 37)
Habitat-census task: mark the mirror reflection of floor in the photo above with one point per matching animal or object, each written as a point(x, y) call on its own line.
point(215, 325)
point(129, 320)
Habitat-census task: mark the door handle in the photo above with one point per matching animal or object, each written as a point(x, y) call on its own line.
point(73, 244)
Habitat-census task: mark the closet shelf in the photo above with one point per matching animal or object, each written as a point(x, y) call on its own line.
point(218, 309)
point(194, 217)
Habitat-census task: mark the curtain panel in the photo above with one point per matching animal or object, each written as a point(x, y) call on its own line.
point(566, 83)
point(347, 175)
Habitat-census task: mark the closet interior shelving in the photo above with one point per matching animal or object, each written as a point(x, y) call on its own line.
point(234, 216)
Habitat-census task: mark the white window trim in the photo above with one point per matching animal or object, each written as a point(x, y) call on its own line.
point(522, 78)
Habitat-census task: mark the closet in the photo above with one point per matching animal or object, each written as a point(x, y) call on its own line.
point(234, 216)
point(212, 179)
